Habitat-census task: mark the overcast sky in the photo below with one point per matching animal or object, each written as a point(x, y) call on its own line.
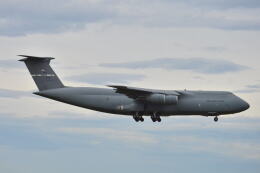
point(158, 44)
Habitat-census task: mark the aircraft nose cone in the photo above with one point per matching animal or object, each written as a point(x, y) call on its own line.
point(244, 105)
point(239, 105)
point(247, 106)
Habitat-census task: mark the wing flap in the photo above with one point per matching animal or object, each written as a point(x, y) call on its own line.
point(139, 93)
point(130, 91)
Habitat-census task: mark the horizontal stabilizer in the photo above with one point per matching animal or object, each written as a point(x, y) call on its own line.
point(34, 58)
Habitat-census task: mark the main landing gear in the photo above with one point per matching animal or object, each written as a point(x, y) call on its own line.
point(138, 117)
point(156, 117)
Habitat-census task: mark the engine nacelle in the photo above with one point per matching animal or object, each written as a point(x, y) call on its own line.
point(162, 99)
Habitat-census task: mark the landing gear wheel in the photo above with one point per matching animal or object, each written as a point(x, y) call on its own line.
point(138, 117)
point(155, 117)
point(216, 119)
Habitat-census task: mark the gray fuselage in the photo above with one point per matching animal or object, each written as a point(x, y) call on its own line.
point(206, 103)
point(133, 101)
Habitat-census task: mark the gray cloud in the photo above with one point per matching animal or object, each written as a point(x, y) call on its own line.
point(246, 91)
point(8, 63)
point(221, 3)
point(110, 133)
point(6, 93)
point(106, 78)
point(21, 17)
point(199, 65)
point(255, 88)
point(215, 48)
point(176, 15)
point(27, 17)
point(198, 78)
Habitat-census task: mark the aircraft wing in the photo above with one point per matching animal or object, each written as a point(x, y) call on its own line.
point(139, 93)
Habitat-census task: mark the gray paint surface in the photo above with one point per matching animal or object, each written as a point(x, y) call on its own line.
point(131, 100)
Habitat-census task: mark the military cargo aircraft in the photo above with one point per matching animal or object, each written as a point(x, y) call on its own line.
point(132, 101)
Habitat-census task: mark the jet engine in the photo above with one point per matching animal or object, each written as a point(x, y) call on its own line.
point(162, 99)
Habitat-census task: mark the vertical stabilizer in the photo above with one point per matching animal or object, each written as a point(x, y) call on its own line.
point(43, 75)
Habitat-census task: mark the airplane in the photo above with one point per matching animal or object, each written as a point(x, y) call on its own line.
point(132, 101)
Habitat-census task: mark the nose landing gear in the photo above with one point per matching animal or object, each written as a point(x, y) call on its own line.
point(215, 118)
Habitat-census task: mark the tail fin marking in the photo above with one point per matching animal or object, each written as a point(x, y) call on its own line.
point(43, 75)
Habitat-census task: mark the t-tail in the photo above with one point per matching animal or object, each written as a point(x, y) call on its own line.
point(43, 75)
